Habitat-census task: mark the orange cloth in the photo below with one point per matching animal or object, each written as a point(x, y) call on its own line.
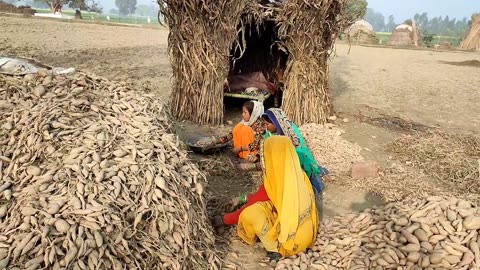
point(243, 136)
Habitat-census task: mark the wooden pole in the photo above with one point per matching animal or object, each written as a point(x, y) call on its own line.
point(415, 33)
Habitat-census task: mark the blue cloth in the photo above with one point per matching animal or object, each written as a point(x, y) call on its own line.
point(317, 184)
point(271, 115)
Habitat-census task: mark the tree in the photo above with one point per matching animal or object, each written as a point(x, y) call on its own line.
point(36, 4)
point(421, 20)
point(391, 24)
point(429, 27)
point(87, 5)
point(126, 7)
point(355, 9)
point(144, 10)
point(57, 5)
point(376, 19)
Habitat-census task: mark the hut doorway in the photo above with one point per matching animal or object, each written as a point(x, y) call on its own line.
point(257, 63)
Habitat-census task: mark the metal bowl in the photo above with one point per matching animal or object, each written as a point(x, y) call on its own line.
point(191, 142)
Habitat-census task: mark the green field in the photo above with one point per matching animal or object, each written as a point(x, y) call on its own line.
point(103, 17)
point(455, 41)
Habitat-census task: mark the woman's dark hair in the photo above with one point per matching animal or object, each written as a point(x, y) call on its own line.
point(266, 118)
point(249, 106)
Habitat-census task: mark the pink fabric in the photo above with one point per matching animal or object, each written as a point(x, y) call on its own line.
point(240, 82)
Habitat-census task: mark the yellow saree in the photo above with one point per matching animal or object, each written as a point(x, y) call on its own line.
point(288, 223)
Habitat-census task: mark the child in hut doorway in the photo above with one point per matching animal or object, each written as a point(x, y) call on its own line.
point(247, 134)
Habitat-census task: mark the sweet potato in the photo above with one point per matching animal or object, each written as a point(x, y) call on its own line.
point(471, 223)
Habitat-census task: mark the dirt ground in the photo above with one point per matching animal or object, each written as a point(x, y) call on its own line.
point(115, 52)
point(370, 86)
point(415, 84)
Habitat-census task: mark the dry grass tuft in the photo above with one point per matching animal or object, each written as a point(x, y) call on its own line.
point(398, 183)
point(452, 159)
point(437, 164)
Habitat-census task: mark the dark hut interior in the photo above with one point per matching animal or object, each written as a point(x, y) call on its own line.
point(257, 58)
point(260, 51)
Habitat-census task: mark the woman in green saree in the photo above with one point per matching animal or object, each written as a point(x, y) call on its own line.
point(279, 124)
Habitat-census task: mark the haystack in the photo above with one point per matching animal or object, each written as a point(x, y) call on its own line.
point(9, 8)
point(472, 42)
point(405, 35)
point(361, 32)
point(210, 40)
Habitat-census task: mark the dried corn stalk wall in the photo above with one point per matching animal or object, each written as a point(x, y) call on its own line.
point(201, 36)
point(308, 29)
point(91, 177)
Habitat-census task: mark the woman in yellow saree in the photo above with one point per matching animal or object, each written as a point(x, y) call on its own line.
point(286, 220)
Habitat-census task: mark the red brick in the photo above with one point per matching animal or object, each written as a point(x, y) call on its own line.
point(364, 169)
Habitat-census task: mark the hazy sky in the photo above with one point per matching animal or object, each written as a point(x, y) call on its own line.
point(405, 9)
point(402, 10)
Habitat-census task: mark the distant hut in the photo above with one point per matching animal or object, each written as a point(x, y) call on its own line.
point(361, 32)
point(211, 41)
point(472, 42)
point(405, 35)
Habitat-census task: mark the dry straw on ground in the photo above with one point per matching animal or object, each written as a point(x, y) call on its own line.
point(330, 149)
point(433, 163)
point(90, 176)
point(202, 34)
point(452, 159)
point(396, 183)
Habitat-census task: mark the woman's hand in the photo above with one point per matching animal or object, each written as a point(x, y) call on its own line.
point(252, 158)
point(235, 202)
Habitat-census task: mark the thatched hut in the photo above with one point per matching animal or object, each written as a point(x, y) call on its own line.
point(405, 35)
point(361, 32)
point(472, 42)
point(212, 40)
